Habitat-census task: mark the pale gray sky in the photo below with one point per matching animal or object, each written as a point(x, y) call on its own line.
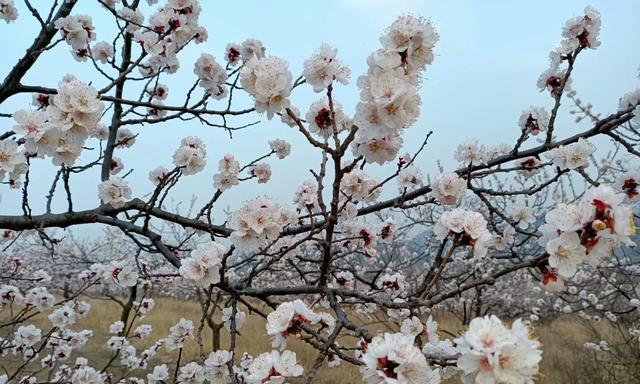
point(489, 56)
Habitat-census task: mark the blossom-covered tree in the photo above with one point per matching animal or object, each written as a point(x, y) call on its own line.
point(548, 211)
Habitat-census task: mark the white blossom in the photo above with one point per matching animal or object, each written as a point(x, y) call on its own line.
point(257, 222)
point(77, 30)
point(273, 368)
point(262, 171)
point(190, 156)
point(470, 152)
point(565, 252)
point(158, 174)
point(492, 353)
point(212, 76)
point(534, 120)
point(86, 375)
point(158, 374)
point(281, 148)
point(409, 178)
point(27, 336)
point(269, 81)
point(179, 333)
point(321, 69)
point(114, 191)
point(203, 265)
point(323, 121)
point(393, 358)
point(8, 11)
point(10, 157)
point(287, 319)
point(448, 188)
point(522, 215)
point(40, 298)
point(582, 31)
point(102, 51)
point(572, 156)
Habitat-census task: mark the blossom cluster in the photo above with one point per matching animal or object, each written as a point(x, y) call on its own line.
point(467, 227)
point(179, 333)
point(191, 156)
point(261, 171)
point(114, 191)
point(289, 318)
point(269, 81)
point(359, 186)
point(393, 358)
point(229, 169)
point(409, 178)
point(582, 31)
point(249, 49)
point(448, 188)
point(367, 271)
point(212, 76)
point(62, 124)
point(587, 230)
point(165, 33)
point(271, 367)
point(364, 236)
point(578, 33)
point(203, 265)
point(630, 100)
point(388, 92)
point(322, 69)
point(492, 353)
point(572, 156)
point(306, 197)
point(78, 32)
point(534, 120)
point(472, 152)
point(280, 147)
point(259, 222)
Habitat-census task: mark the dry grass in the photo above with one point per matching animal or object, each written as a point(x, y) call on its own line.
point(562, 341)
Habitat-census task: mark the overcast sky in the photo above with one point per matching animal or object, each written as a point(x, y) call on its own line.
point(488, 59)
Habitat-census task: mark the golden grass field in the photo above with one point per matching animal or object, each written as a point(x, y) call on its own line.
point(562, 341)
